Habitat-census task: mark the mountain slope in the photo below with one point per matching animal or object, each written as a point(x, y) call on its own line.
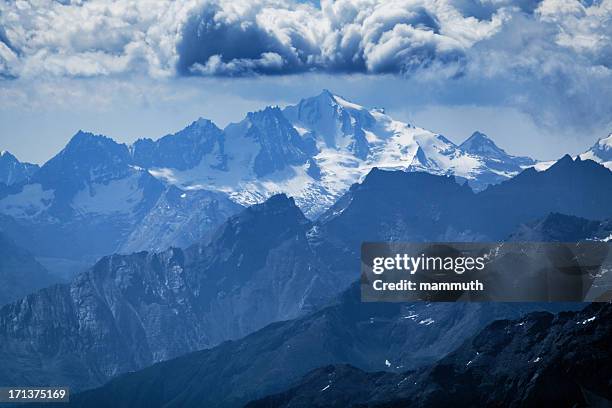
point(495, 160)
point(12, 171)
point(92, 194)
point(20, 273)
point(178, 219)
point(541, 359)
point(182, 150)
point(372, 336)
point(270, 263)
point(314, 150)
point(106, 195)
point(577, 187)
point(400, 206)
point(129, 311)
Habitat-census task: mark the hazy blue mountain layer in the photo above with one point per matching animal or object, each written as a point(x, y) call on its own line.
point(271, 263)
point(129, 311)
point(20, 273)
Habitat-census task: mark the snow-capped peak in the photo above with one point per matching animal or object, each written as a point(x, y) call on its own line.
point(327, 97)
point(479, 143)
point(313, 151)
point(12, 170)
point(316, 149)
point(601, 152)
point(6, 155)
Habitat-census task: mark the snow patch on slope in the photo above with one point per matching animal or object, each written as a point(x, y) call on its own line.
point(30, 202)
point(116, 196)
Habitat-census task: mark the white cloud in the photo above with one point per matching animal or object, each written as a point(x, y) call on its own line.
point(240, 37)
point(550, 58)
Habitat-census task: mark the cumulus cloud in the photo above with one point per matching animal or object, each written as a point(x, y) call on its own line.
point(550, 54)
point(270, 37)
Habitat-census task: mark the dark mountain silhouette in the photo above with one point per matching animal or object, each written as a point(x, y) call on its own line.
point(399, 206)
point(372, 336)
point(541, 359)
point(181, 150)
point(577, 187)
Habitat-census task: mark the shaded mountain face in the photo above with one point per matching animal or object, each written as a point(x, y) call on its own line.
point(12, 171)
point(20, 273)
point(182, 150)
point(539, 359)
point(93, 196)
point(129, 311)
point(400, 206)
point(574, 187)
point(372, 336)
point(87, 159)
point(178, 219)
point(557, 227)
point(92, 222)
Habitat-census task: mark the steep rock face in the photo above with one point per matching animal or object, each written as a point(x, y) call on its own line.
point(12, 171)
point(89, 195)
point(85, 160)
point(372, 336)
point(182, 150)
point(178, 219)
point(540, 359)
point(20, 273)
point(334, 122)
point(280, 144)
point(130, 311)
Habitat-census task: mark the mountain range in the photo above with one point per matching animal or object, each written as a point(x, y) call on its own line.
point(106, 197)
point(129, 311)
point(265, 264)
point(224, 261)
point(372, 336)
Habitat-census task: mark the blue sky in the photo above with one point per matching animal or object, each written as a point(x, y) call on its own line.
point(534, 75)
